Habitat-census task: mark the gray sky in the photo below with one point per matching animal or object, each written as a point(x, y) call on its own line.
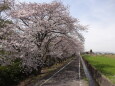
point(99, 15)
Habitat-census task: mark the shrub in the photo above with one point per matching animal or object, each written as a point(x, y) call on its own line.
point(10, 74)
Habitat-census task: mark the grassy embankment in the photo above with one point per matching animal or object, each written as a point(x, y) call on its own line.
point(104, 63)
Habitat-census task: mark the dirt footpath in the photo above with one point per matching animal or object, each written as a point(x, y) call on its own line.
point(69, 76)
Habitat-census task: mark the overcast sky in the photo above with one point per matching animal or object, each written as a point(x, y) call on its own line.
point(99, 15)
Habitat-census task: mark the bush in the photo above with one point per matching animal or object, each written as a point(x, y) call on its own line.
point(13, 74)
point(10, 74)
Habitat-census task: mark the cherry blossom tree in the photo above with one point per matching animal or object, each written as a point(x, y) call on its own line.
point(5, 30)
point(41, 31)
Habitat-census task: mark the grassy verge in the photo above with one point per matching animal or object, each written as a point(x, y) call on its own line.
point(46, 73)
point(104, 63)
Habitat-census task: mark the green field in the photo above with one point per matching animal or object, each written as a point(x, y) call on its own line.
point(104, 63)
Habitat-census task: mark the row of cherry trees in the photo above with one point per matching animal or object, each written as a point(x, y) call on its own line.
point(40, 33)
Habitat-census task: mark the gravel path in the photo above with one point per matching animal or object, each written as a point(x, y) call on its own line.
point(69, 76)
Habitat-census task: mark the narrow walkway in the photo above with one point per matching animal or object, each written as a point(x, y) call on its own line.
point(68, 76)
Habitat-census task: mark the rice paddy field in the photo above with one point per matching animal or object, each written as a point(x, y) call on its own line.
point(104, 63)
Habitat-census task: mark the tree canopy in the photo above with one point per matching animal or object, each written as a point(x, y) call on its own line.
point(40, 31)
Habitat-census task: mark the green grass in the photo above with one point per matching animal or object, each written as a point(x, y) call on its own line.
point(103, 63)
